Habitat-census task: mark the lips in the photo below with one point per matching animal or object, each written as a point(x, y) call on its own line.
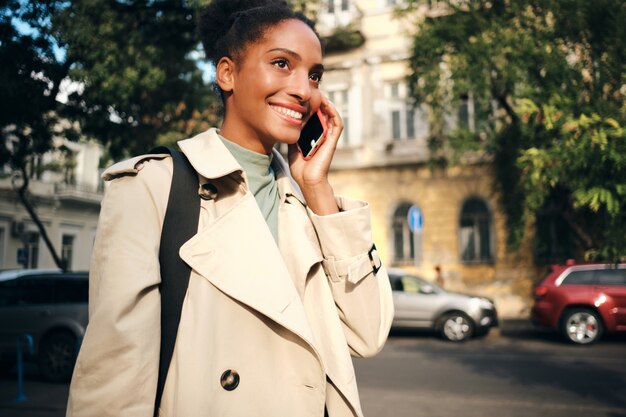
point(284, 111)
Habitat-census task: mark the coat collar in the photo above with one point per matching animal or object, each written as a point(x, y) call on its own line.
point(211, 159)
point(208, 155)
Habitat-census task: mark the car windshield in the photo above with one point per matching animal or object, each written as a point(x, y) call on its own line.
point(410, 284)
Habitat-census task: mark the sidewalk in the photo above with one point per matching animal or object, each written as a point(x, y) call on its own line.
point(43, 399)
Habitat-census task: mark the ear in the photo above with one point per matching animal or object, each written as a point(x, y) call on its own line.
point(225, 74)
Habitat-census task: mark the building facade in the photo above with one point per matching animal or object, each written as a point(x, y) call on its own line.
point(66, 196)
point(422, 218)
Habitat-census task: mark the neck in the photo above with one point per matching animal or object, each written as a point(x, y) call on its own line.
point(244, 138)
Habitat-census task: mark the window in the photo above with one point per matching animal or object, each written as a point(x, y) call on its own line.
point(394, 90)
point(32, 249)
point(67, 249)
point(2, 246)
point(406, 119)
point(611, 276)
point(395, 124)
point(331, 6)
point(410, 123)
point(345, 5)
point(340, 99)
point(403, 239)
point(579, 278)
point(467, 113)
point(475, 231)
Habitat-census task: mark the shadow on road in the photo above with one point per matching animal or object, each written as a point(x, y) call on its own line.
point(550, 362)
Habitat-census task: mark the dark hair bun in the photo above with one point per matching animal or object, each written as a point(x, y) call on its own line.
point(227, 26)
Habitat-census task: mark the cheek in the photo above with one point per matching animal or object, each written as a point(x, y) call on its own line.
point(316, 99)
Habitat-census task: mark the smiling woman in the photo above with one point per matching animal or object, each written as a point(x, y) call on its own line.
point(285, 282)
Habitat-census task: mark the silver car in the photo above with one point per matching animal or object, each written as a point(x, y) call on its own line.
point(420, 304)
point(50, 307)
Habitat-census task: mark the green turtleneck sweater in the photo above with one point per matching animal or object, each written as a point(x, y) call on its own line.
point(261, 181)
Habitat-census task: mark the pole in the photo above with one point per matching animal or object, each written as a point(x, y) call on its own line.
point(21, 396)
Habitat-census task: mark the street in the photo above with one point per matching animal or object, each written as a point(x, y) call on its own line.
point(515, 371)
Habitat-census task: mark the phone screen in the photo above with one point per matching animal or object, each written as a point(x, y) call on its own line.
point(312, 132)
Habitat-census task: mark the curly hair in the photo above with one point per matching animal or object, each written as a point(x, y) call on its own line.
point(227, 26)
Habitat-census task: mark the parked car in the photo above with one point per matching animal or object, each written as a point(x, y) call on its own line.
point(51, 307)
point(420, 304)
point(582, 301)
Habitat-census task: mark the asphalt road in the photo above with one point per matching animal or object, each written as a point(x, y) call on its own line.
point(515, 372)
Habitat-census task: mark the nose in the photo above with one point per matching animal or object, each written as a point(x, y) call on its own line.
point(300, 86)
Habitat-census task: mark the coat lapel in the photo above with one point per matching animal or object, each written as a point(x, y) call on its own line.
point(238, 255)
point(297, 242)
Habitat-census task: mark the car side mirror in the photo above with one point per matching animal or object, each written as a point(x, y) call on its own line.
point(427, 289)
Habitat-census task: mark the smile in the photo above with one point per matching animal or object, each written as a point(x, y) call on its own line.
point(287, 112)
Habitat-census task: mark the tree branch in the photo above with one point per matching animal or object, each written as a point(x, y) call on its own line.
point(21, 191)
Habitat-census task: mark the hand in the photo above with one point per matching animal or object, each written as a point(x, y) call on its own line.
point(312, 175)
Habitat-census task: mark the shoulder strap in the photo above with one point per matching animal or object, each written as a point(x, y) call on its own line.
point(179, 225)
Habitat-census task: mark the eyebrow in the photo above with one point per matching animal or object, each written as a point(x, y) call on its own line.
point(316, 67)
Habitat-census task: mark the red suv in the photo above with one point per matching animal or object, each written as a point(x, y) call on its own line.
point(582, 301)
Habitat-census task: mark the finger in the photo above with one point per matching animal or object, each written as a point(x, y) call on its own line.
point(333, 119)
point(293, 152)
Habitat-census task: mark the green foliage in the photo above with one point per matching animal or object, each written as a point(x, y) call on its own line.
point(343, 39)
point(554, 71)
point(134, 59)
point(31, 76)
point(587, 156)
point(132, 63)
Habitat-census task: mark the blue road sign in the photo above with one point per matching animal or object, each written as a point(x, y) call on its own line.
point(415, 219)
point(22, 257)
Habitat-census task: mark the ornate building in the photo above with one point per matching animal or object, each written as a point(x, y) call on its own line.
point(422, 217)
point(66, 196)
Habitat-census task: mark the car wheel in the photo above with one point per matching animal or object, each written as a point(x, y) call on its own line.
point(456, 327)
point(57, 355)
point(581, 326)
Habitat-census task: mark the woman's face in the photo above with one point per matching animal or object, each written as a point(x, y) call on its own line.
point(276, 85)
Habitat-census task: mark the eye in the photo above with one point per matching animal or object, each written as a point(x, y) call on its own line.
point(281, 63)
point(316, 77)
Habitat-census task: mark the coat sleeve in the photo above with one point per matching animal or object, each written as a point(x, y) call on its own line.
point(362, 296)
point(117, 367)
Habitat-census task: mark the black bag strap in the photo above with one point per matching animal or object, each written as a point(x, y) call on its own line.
point(179, 225)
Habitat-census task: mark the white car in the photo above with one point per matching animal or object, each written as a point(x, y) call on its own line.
point(420, 304)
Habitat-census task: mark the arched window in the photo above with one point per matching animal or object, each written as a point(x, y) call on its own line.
point(475, 231)
point(404, 241)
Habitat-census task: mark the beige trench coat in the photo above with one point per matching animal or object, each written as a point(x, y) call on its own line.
point(284, 317)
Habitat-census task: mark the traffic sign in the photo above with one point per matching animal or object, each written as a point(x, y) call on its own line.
point(22, 257)
point(415, 219)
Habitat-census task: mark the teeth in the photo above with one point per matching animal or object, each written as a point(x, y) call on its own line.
point(288, 112)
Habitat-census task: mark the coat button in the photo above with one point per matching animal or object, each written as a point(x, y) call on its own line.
point(207, 191)
point(229, 380)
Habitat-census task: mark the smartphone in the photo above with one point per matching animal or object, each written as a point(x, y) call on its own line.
point(313, 134)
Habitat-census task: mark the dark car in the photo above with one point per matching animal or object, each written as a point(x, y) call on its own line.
point(51, 307)
point(420, 304)
point(582, 301)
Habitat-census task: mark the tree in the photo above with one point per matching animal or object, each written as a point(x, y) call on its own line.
point(31, 77)
point(132, 65)
point(546, 78)
point(135, 63)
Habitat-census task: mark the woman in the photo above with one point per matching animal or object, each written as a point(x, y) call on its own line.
point(285, 285)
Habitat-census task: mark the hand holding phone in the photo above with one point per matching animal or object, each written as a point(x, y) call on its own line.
point(312, 135)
